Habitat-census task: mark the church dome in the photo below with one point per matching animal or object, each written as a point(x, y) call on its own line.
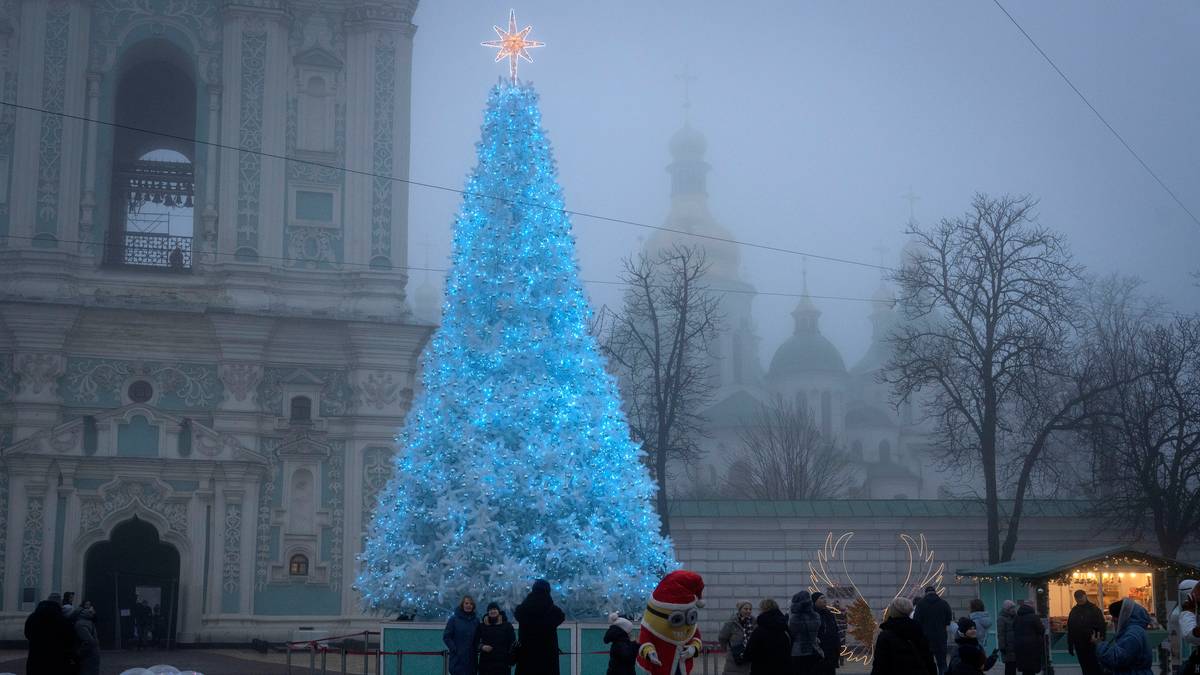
point(688, 144)
point(807, 350)
point(806, 353)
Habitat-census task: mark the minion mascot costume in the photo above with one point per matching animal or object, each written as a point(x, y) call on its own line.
point(669, 639)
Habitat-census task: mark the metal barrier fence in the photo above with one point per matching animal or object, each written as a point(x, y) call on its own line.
point(708, 662)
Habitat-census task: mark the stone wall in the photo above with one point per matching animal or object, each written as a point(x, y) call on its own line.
point(753, 550)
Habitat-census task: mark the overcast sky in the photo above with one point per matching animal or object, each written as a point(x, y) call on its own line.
point(820, 115)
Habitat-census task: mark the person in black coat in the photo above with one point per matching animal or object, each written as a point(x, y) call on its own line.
point(539, 619)
point(934, 615)
point(901, 647)
point(51, 639)
point(1029, 634)
point(829, 636)
point(622, 655)
point(769, 649)
point(1084, 620)
point(494, 640)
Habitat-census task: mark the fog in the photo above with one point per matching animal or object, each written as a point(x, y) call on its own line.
point(820, 116)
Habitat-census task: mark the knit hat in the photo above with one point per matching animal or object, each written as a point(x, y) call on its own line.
point(615, 619)
point(680, 589)
point(493, 605)
point(900, 607)
point(930, 589)
point(817, 595)
point(965, 624)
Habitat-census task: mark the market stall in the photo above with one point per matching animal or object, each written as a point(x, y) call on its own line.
point(1106, 574)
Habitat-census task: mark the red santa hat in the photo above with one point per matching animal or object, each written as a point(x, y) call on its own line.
point(680, 589)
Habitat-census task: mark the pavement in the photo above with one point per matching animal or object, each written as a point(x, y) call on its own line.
point(206, 661)
point(250, 662)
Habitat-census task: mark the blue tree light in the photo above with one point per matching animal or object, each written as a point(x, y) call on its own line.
point(515, 462)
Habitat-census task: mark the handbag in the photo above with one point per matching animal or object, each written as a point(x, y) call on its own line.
point(514, 653)
point(738, 652)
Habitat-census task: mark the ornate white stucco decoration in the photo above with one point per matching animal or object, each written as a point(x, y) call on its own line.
point(241, 379)
point(149, 494)
point(38, 371)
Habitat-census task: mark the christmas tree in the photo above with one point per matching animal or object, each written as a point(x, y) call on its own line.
point(515, 462)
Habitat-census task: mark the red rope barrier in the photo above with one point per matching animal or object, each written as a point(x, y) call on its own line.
point(351, 652)
point(333, 637)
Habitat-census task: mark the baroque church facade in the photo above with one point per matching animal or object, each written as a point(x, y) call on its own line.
point(888, 448)
point(205, 349)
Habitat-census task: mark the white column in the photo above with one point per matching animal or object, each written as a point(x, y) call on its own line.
point(27, 133)
point(205, 244)
point(352, 496)
point(227, 131)
point(360, 142)
point(74, 103)
point(400, 148)
point(249, 541)
point(191, 573)
point(272, 190)
point(87, 205)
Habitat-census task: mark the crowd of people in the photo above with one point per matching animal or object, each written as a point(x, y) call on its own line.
point(62, 637)
point(922, 637)
point(915, 638)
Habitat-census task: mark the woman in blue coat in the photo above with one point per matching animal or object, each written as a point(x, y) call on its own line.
point(1129, 652)
point(459, 637)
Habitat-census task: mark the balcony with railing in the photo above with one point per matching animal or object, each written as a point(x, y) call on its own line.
point(157, 249)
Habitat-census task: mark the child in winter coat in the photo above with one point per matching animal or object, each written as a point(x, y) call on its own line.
point(622, 655)
point(970, 658)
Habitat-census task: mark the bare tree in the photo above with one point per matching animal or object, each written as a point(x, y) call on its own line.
point(987, 300)
point(659, 346)
point(783, 456)
point(1146, 435)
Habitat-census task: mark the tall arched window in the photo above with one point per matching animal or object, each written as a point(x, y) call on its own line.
point(153, 160)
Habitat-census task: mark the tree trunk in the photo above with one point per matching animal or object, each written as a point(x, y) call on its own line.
point(660, 468)
point(987, 455)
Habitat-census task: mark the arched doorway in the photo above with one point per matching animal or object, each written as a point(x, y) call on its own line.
point(133, 580)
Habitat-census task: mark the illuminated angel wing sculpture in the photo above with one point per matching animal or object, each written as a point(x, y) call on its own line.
point(923, 569)
point(830, 574)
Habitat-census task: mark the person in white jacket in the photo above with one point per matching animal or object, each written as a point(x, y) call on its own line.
point(1173, 630)
point(1189, 633)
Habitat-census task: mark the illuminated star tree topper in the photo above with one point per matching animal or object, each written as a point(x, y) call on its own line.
point(512, 44)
